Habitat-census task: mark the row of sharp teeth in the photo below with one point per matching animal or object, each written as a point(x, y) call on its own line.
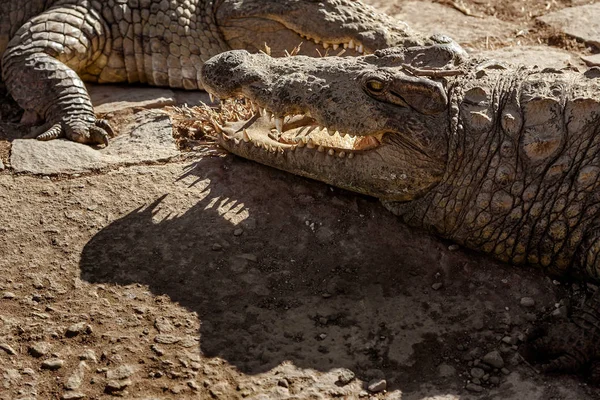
point(349, 45)
point(309, 143)
point(301, 139)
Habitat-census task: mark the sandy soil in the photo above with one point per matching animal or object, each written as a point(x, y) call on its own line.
point(219, 278)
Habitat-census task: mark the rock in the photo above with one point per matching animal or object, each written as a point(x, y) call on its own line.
point(1, 166)
point(72, 396)
point(283, 383)
point(493, 359)
point(494, 380)
point(345, 377)
point(157, 350)
point(9, 350)
point(167, 339)
point(53, 364)
point(148, 137)
point(437, 286)
point(542, 56)
point(193, 385)
point(76, 379)
point(163, 325)
point(117, 386)
point(76, 329)
point(527, 302)
point(446, 371)
point(430, 18)
point(377, 385)
point(111, 98)
point(579, 22)
point(505, 371)
point(8, 295)
point(471, 387)
point(453, 247)
point(217, 247)
point(39, 349)
point(592, 61)
point(238, 232)
point(122, 372)
point(477, 373)
point(88, 355)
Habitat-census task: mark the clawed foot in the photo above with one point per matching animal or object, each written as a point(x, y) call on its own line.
point(563, 347)
point(81, 132)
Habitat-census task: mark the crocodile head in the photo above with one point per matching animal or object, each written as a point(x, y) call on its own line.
point(320, 27)
point(369, 124)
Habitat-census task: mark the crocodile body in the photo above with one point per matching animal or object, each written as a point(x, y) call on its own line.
point(504, 160)
point(49, 46)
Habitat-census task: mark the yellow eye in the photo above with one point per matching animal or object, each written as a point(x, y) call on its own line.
point(375, 85)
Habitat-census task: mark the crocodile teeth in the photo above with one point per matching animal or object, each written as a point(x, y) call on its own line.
point(351, 44)
point(245, 136)
point(279, 124)
point(359, 48)
point(212, 97)
point(335, 46)
point(310, 144)
point(331, 152)
point(342, 154)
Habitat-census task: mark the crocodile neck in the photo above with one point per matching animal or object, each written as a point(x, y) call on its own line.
point(522, 175)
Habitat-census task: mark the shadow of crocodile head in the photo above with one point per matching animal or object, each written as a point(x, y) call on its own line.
point(319, 27)
point(368, 124)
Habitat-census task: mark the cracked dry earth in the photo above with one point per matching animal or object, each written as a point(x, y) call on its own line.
point(201, 275)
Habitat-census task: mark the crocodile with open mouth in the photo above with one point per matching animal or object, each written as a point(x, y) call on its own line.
point(501, 159)
point(49, 46)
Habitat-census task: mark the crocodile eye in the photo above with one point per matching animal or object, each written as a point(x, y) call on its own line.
point(375, 85)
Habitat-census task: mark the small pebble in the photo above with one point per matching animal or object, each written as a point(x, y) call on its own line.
point(437, 286)
point(53, 364)
point(377, 385)
point(283, 383)
point(72, 396)
point(238, 232)
point(471, 387)
point(505, 371)
point(39, 349)
point(477, 373)
point(88, 355)
point(193, 385)
point(345, 377)
point(494, 359)
point(9, 350)
point(116, 386)
point(527, 302)
point(217, 247)
point(78, 328)
point(453, 247)
point(122, 372)
point(323, 336)
point(8, 295)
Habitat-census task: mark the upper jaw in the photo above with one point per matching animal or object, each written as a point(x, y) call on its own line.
point(287, 132)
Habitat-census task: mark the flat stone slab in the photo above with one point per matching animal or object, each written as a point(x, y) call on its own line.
point(429, 18)
point(582, 22)
point(592, 61)
point(542, 56)
point(111, 98)
point(147, 138)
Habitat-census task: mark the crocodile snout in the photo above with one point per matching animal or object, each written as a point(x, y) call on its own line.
point(228, 72)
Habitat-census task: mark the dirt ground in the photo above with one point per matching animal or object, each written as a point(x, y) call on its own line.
point(214, 277)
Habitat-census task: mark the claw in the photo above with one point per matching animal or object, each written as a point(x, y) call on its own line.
point(98, 135)
point(55, 132)
point(104, 124)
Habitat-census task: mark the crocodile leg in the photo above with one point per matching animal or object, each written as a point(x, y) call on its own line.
point(569, 347)
point(40, 68)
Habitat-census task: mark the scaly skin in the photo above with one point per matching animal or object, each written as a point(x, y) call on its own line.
point(50, 46)
point(505, 161)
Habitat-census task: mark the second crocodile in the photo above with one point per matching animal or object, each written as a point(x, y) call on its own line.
point(50, 47)
point(505, 160)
